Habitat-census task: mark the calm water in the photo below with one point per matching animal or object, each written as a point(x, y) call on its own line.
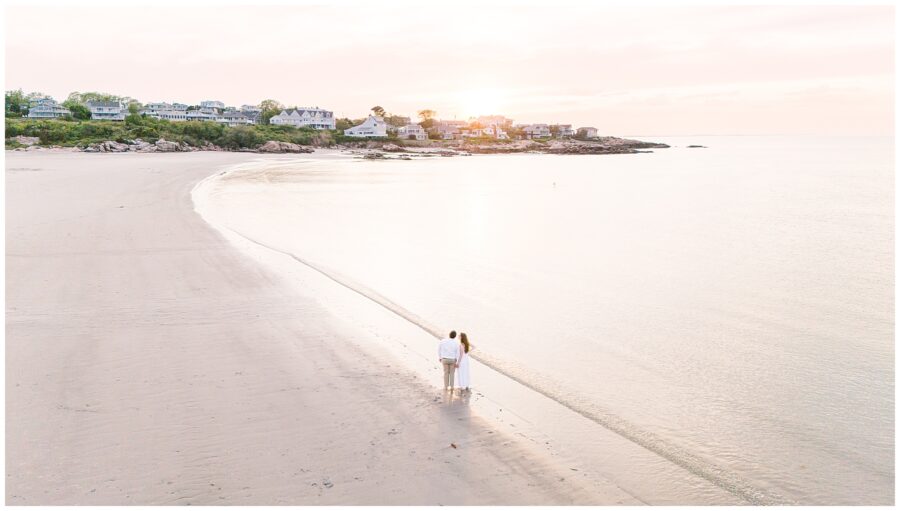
point(733, 303)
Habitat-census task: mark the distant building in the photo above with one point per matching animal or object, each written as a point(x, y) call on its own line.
point(250, 108)
point(211, 105)
point(372, 127)
point(565, 130)
point(305, 117)
point(587, 132)
point(448, 130)
point(494, 120)
point(46, 108)
point(233, 118)
point(170, 115)
point(494, 131)
point(471, 132)
point(412, 131)
point(200, 115)
point(536, 131)
point(156, 107)
point(107, 110)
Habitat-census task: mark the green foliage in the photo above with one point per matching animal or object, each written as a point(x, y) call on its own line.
point(196, 133)
point(79, 111)
point(378, 111)
point(16, 103)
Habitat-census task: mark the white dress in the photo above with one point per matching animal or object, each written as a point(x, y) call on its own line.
point(462, 372)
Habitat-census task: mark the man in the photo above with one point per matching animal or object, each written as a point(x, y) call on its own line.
point(448, 354)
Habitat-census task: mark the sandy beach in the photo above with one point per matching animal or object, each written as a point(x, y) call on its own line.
point(150, 362)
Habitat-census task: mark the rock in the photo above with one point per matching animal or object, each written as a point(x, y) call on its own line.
point(111, 146)
point(90, 149)
point(163, 145)
point(392, 148)
point(28, 141)
point(274, 146)
point(696, 147)
point(374, 156)
point(327, 483)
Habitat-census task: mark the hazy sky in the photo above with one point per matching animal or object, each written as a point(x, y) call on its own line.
point(625, 70)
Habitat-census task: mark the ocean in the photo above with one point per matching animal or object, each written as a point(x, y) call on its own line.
point(729, 308)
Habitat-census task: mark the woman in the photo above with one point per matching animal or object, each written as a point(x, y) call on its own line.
point(462, 369)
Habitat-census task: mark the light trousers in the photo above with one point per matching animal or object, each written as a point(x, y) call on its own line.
point(449, 370)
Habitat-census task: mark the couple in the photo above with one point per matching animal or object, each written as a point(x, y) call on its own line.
point(454, 355)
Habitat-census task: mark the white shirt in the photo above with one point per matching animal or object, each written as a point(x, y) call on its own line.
point(448, 348)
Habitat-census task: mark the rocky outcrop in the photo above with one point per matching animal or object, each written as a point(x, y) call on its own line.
point(392, 148)
point(140, 146)
point(27, 141)
point(274, 146)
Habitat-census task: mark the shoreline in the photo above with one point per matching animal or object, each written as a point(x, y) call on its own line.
point(163, 365)
point(501, 396)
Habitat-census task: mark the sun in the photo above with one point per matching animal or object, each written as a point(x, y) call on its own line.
point(480, 102)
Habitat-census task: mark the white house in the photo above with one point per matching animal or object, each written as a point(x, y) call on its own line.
point(210, 105)
point(305, 117)
point(156, 107)
point(494, 131)
point(46, 108)
point(372, 127)
point(108, 110)
point(412, 131)
point(565, 130)
point(587, 132)
point(449, 130)
point(537, 131)
point(170, 115)
point(200, 115)
point(234, 118)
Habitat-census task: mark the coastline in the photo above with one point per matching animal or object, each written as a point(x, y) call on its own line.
point(158, 364)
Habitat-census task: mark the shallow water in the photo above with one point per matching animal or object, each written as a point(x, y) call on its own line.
point(730, 306)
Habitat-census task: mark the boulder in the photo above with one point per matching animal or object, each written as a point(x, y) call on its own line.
point(392, 148)
point(27, 141)
point(164, 146)
point(274, 146)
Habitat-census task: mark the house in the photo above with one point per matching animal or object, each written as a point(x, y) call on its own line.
point(233, 118)
point(200, 115)
point(372, 127)
point(471, 132)
point(211, 105)
point(536, 131)
point(448, 130)
point(169, 115)
point(305, 117)
point(107, 110)
point(46, 108)
point(565, 130)
point(587, 132)
point(412, 132)
point(494, 131)
point(156, 107)
point(494, 120)
point(250, 108)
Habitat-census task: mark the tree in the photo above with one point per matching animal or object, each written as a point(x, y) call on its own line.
point(79, 111)
point(16, 103)
point(427, 115)
point(378, 111)
point(134, 107)
point(343, 124)
point(269, 108)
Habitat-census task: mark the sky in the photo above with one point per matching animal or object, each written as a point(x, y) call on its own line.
point(639, 70)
